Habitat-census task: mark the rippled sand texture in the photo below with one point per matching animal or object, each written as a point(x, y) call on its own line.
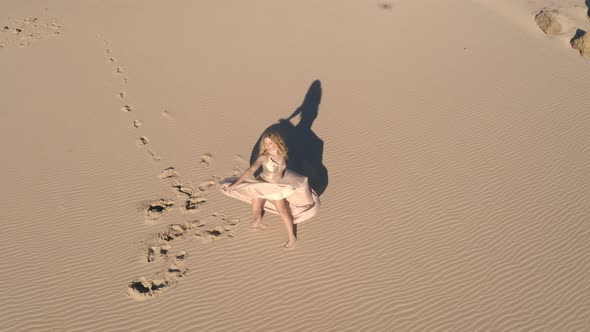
point(450, 141)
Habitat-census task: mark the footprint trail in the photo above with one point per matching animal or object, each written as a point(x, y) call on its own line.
point(159, 245)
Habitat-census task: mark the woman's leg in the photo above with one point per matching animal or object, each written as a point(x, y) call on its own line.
point(285, 213)
point(257, 205)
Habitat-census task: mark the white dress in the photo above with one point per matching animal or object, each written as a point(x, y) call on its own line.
point(276, 182)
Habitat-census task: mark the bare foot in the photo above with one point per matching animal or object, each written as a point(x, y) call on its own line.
point(257, 225)
point(290, 243)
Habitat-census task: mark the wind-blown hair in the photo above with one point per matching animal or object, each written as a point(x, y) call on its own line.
point(277, 139)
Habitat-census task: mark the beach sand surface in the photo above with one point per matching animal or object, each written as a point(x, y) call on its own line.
point(453, 138)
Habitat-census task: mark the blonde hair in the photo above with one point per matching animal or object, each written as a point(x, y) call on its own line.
point(277, 140)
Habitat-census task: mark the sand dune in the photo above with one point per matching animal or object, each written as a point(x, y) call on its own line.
point(448, 140)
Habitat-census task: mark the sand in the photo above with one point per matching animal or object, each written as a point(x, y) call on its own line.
point(454, 134)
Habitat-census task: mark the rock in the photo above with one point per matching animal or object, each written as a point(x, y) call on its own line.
point(546, 20)
point(581, 42)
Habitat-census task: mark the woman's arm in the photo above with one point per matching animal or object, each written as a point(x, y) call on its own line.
point(248, 173)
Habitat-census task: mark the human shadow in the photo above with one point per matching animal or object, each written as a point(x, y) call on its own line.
point(587, 2)
point(305, 148)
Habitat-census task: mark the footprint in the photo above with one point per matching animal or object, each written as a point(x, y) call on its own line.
point(166, 115)
point(207, 158)
point(237, 171)
point(154, 155)
point(177, 269)
point(229, 224)
point(155, 209)
point(194, 202)
point(23, 32)
point(219, 215)
point(177, 230)
point(204, 186)
point(168, 173)
point(157, 251)
point(137, 123)
point(121, 95)
point(210, 234)
point(119, 70)
point(233, 221)
point(112, 60)
point(385, 6)
point(231, 229)
point(127, 108)
point(152, 254)
point(30, 20)
point(183, 189)
point(181, 255)
point(142, 289)
point(144, 140)
point(216, 232)
point(56, 25)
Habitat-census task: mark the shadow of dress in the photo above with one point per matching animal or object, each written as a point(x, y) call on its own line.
point(270, 185)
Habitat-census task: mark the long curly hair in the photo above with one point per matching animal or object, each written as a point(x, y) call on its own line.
point(277, 140)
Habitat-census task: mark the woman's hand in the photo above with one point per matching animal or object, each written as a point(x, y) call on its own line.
point(246, 174)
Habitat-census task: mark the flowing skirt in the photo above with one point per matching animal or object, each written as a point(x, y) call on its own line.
point(303, 201)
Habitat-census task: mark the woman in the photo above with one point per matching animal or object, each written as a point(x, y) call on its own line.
point(277, 189)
